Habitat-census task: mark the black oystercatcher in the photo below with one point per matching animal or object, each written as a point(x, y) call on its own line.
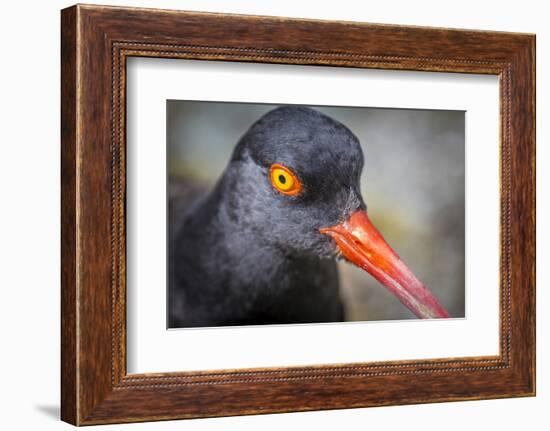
point(260, 248)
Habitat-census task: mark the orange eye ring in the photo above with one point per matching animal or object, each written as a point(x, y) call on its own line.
point(284, 180)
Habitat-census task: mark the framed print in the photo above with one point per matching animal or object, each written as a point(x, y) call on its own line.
point(265, 214)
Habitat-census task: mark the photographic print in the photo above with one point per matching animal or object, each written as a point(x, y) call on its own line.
point(331, 222)
point(286, 214)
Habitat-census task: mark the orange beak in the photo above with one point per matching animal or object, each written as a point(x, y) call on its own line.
point(362, 244)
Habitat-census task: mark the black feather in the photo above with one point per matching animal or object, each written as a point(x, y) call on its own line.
point(247, 254)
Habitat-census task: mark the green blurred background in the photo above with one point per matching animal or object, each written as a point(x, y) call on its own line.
point(413, 184)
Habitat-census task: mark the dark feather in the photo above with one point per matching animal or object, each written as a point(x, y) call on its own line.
point(246, 254)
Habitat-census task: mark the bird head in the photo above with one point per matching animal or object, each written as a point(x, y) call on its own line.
point(293, 181)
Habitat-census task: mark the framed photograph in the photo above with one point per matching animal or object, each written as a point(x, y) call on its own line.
point(264, 214)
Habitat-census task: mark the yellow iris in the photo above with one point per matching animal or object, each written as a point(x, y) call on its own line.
point(284, 180)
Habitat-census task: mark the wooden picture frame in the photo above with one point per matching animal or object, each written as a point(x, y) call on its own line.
point(95, 43)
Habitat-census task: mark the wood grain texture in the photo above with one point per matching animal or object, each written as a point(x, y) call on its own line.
point(96, 41)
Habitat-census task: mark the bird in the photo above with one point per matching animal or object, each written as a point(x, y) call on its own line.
point(261, 247)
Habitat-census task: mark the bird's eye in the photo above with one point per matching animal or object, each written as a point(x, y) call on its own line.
point(284, 180)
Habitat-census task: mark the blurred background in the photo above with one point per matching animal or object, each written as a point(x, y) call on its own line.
point(412, 182)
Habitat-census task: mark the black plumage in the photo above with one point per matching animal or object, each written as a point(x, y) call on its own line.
point(247, 254)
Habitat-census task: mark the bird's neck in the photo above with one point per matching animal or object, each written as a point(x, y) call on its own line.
point(215, 240)
point(226, 270)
